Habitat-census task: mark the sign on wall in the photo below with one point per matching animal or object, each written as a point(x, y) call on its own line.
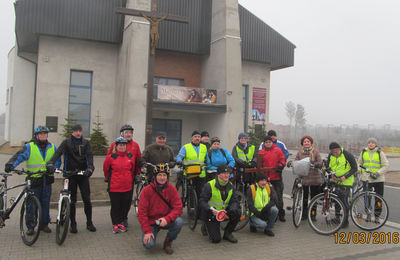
point(185, 94)
point(258, 112)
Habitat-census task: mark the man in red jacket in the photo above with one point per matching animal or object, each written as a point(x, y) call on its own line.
point(160, 207)
point(133, 148)
point(273, 157)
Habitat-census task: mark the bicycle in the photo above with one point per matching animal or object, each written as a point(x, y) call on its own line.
point(326, 211)
point(188, 193)
point(141, 181)
point(31, 211)
point(64, 206)
point(368, 210)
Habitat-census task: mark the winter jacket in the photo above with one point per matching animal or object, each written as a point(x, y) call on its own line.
point(77, 153)
point(351, 160)
point(245, 149)
point(25, 152)
point(233, 206)
point(274, 158)
point(250, 201)
point(314, 177)
point(152, 207)
point(156, 154)
point(280, 145)
point(383, 161)
point(133, 148)
point(215, 158)
point(119, 169)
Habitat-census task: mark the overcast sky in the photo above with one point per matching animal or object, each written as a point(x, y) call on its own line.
point(346, 68)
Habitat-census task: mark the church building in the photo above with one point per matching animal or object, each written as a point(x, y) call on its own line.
point(83, 60)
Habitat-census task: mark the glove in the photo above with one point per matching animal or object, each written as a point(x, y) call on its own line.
point(374, 175)
point(50, 168)
point(257, 214)
point(8, 168)
point(179, 163)
point(88, 172)
point(280, 168)
point(105, 180)
point(253, 164)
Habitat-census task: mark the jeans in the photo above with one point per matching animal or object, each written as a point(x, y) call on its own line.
point(173, 230)
point(269, 224)
point(343, 193)
point(43, 194)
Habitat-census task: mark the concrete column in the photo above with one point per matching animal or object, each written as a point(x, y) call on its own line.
point(222, 70)
point(131, 79)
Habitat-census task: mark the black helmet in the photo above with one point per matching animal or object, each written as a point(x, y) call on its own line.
point(162, 167)
point(126, 127)
point(215, 140)
point(120, 140)
point(41, 129)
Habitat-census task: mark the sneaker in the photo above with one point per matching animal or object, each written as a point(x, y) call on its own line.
point(122, 228)
point(30, 232)
point(115, 229)
point(73, 228)
point(253, 229)
point(230, 238)
point(45, 229)
point(269, 232)
point(282, 218)
point(91, 227)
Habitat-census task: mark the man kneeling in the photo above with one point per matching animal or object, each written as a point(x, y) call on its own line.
point(218, 196)
point(160, 207)
point(262, 207)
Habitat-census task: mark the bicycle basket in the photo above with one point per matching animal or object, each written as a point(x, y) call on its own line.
point(301, 168)
point(193, 171)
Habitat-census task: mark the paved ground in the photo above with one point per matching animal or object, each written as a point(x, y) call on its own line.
point(289, 242)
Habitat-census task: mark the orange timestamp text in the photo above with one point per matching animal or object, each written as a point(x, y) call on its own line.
point(367, 237)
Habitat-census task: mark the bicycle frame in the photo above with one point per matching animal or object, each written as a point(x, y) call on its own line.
point(63, 193)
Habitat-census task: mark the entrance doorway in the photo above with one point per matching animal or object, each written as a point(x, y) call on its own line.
point(173, 128)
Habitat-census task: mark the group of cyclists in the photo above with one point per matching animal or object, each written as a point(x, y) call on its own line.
point(160, 205)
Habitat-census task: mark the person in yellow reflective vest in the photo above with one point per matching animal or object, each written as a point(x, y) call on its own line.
point(217, 195)
point(245, 156)
point(37, 153)
point(374, 159)
point(261, 199)
point(345, 167)
point(193, 153)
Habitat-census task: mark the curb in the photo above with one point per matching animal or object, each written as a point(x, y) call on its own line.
point(394, 184)
point(79, 204)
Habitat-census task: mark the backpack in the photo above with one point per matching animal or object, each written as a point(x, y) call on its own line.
point(253, 190)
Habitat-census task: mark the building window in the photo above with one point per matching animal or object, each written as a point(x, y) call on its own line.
point(80, 97)
point(246, 106)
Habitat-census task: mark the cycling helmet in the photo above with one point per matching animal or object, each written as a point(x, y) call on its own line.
point(162, 167)
point(126, 127)
point(41, 129)
point(120, 140)
point(215, 139)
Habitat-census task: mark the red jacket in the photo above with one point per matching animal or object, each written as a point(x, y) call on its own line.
point(152, 207)
point(272, 158)
point(118, 169)
point(134, 149)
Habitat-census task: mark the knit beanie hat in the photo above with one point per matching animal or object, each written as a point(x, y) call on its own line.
point(223, 168)
point(272, 133)
point(334, 145)
point(372, 140)
point(242, 135)
point(195, 132)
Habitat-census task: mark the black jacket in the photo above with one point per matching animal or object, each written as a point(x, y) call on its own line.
point(233, 206)
point(77, 153)
point(351, 160)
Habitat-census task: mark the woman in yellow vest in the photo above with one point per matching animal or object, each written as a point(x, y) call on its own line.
point(262, 205)
point(217, 195)
point(374, 160)
point(345, 166)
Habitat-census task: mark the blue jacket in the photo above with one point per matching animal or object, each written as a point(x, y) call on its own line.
point(25, 153)
point(217, 158)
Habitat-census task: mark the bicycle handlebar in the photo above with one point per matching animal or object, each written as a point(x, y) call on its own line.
point(71, 173)
point(23, 171)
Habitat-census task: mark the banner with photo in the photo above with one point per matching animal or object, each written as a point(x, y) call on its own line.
point(185, 94)
point(258, 112)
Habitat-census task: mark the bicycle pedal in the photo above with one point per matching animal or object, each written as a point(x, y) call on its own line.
point(52, 222)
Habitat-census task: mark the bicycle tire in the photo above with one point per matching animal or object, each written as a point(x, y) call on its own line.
point(30, 203)
point(297, 208)
point(369, 220)
point(62, 224)
point(192, 208)
point(244, 213)
point(139, 188)
point(322, 215)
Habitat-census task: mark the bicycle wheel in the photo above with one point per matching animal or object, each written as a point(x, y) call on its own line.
point(369, 211)
point(297, 208)
point(244, 213)
point(30, 218)
point(326, 214)
point(192, 208)
point(139, 188)
point(63, 223)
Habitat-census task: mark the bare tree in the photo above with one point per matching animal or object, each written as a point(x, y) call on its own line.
point(290, 111)
point(300, 119)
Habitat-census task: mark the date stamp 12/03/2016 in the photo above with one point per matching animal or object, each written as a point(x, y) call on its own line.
point(367, 238)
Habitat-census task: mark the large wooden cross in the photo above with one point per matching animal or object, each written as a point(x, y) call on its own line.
point(154, 19)
point(259, 167)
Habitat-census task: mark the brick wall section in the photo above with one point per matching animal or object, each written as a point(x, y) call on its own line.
point(179, 65)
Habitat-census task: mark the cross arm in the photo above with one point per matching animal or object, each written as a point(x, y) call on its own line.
point(134, 12)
